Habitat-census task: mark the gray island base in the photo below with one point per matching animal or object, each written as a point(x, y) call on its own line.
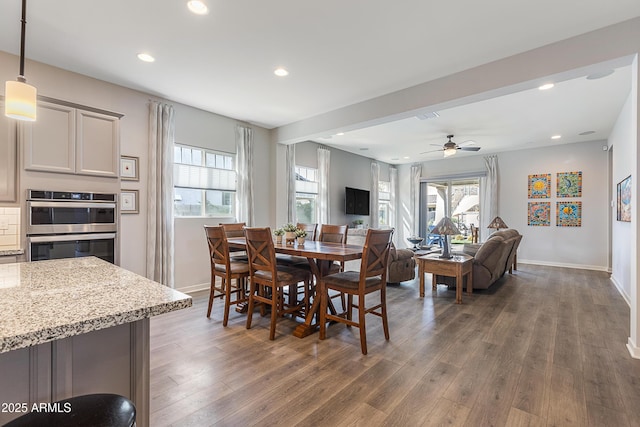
point(76, 326)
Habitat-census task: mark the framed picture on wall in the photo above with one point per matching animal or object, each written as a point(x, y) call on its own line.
point(623, 205)
point(129, 201)
point(129, 168)
point(539, 186)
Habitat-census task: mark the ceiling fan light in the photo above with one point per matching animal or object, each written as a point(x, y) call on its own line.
point(20, 100)
point(449, 151)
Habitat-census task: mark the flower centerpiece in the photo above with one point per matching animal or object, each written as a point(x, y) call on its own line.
point(358, 223)
point(300, 236)
point(278, 232)
point(289, 233)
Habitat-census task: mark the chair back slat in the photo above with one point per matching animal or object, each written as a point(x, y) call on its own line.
point(262, 254)
point(311, 230)
point(218, 246)
point(375, 255)
point(333, 233)
point(235, 229)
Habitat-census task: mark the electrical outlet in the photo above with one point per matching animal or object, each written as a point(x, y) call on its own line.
point(4, 224)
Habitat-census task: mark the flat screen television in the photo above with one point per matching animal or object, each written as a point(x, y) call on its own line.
point(356, 201)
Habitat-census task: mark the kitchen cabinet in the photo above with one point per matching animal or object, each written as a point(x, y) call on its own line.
point(8, 158)
point(69, 139)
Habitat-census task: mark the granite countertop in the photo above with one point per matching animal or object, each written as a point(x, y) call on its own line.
point(11, 252)
point(48, 300)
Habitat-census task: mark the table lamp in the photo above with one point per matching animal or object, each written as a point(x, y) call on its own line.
point(445, 228)
point(497, 223)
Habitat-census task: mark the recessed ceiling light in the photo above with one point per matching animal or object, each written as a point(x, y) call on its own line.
point(339, 133)
point(600, 74)
point(589, 132)
point(556, 137)
point(546, 86)
point(281, 72)
point(395, 158)
point(146, 57)
point(364, 149)
point(198, 7)
point(406, 157)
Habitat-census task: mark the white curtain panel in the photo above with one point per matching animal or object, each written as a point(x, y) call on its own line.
point(416, 174)
point(393, 201)
point(244, 191)
point(375, 195)
point(324, 161)
point(160, 198)
point(291, 184)
point(488, 195)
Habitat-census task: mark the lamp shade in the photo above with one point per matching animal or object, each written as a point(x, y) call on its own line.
point(497, 223)
point(20, 101)
point(445, 227)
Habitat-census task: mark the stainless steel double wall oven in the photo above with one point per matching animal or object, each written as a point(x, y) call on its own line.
point(62, 224)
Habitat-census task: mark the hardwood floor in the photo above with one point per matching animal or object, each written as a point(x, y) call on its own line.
point(543, 347)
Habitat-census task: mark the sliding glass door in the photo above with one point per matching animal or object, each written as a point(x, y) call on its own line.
point(456, 198)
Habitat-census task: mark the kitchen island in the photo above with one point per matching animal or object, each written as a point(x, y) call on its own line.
point(76, 326)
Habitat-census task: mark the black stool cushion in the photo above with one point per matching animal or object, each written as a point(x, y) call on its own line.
point(90, 410)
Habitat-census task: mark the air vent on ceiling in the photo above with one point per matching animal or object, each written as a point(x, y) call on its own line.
point(427, 116)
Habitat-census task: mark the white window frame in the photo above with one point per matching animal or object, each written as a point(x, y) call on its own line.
point(307, 187)
point(196, 175)
point(384, 201)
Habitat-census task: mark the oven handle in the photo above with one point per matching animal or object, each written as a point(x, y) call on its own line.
point(71, 205)
point(70, 237)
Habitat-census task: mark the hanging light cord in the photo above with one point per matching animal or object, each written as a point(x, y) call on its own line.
point(22, 39)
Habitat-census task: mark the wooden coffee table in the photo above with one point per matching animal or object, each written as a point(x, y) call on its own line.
point(459, 266)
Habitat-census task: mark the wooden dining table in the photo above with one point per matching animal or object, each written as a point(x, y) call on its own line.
point(320, 256)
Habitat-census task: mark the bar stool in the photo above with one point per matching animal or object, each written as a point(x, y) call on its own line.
point(89, 410)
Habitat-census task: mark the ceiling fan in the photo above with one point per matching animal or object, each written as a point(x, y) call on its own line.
point(450, 148)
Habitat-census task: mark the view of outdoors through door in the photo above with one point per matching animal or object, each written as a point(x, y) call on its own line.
point(456, 198)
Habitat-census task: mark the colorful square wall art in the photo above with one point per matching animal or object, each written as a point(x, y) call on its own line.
point(540, 186)
point(624, 200)
point(569, 184)
point(539, 214)
point(569, 214)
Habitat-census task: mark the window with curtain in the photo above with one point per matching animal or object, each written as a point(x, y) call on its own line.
point(306, 194)
point(454, 197)
point(384, 203)
point(204, 183)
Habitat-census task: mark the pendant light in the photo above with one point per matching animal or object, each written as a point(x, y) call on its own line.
point(19, 97)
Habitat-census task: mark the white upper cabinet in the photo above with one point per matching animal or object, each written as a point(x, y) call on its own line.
point(8, 158)
point(68, 139)
point(97, 142)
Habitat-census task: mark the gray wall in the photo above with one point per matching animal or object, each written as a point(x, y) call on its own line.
point(193, 127)
point(347, 170)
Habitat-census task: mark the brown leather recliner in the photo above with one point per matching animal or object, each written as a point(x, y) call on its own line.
point(402, 265)
point(491, 259)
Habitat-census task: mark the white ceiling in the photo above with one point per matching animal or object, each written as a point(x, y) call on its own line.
point(520, 120)
point(338, 53)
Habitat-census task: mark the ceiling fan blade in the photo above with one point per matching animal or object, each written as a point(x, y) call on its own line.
point(432, 151)
point(469, 148)
point(467, 142)
point(436, 145)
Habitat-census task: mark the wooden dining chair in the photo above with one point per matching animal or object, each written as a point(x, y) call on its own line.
point(268, 280)
point(235, 229)
point(311, 230)
point(372, 277)
point(227, 270)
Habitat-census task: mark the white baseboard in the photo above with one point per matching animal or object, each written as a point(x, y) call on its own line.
point(634, 351)
point(194, 288)
point(565, 265)
point(626, 297)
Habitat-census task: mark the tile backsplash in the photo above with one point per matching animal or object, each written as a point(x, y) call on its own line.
point(9, 228)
